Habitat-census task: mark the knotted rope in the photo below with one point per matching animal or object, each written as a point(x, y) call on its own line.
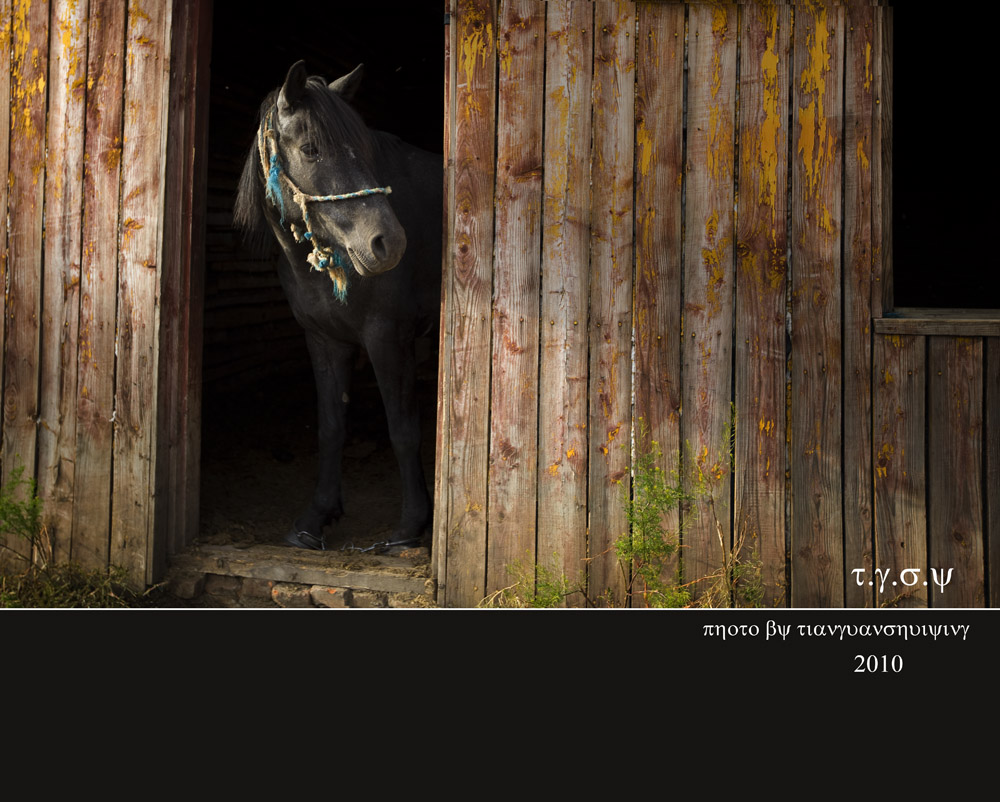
point(322, 257)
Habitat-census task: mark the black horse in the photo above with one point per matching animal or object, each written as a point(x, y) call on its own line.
point(357, 213)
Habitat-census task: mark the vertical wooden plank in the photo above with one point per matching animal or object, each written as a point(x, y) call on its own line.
point(562, 438)
point(955, 464)
point(143, 157)
point(514, 387)
point(659, 129)
point(858, 212)
point(881, 159)
point(882, 294)
point(61, 258)
point(5, 128)
point(169, 325)
point(26, 181)
point(761, 284)
point(991, 403)
point(178, 310)
point(195, 277)
point(816, 447)
point(610, 421)
point(98, 282)
point(471, 283)
point(708, 277)
point(900, 486)
point(443, 436)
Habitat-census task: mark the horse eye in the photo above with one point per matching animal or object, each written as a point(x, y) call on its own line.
point(309, 150)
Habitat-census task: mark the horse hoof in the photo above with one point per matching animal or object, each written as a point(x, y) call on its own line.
point(304, 540)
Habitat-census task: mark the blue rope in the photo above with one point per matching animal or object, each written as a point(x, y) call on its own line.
point(319, 261)
point(339, 290)
point(274, 187)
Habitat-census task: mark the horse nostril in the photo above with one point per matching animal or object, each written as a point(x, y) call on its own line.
point(378, 247)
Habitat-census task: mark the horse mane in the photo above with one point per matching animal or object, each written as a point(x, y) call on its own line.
point(330, 120)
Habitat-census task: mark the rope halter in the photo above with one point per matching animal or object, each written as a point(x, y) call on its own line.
point(322, 257)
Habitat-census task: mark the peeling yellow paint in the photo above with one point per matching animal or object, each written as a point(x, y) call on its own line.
point(719, 156)
point(712, 258)
point(862, 156)
point(816, 145)
point(477, 44)
point(645, 144)
point(769, 142)
point(884, 458)
point(712, 225)
point(128, 227)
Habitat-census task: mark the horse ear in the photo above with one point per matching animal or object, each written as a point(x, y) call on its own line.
point(292, 89)
point(347, 86)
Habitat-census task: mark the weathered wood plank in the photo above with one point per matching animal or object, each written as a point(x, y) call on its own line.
point(900, 486)
point(562, 440)
point(147, 64)
point(858, 270)
point(5, 110)
point(611, 268)
point(882, 300)
point(390, 575)
point(61, 277)
point(709, 281)
point(761, 285)
point(955, 465)
point(26, 180)
point(178, 318)
point(659, 168)
point(98, 283)
point(951, 322)
point(169, 323)
point(992, 448)
point(816, 407)
point(195, 278)
point(471, 280)
point(442, 436)
point(514, 386)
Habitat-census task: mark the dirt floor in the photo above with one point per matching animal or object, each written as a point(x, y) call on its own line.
point(259, 460)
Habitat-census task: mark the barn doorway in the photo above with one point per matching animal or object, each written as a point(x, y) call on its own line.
point(259, 439)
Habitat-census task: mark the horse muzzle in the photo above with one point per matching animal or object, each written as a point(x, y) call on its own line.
point(380, 254)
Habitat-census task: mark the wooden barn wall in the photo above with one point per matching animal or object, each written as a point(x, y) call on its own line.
point(662, 215)
point(101, 310)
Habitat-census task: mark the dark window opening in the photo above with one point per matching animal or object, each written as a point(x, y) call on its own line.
point(944, 194)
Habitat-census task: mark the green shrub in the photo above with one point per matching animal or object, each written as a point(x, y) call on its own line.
point(32, 578)
point(646, 551)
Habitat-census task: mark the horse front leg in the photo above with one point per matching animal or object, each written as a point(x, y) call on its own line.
point(331, 362)
point(395, 371)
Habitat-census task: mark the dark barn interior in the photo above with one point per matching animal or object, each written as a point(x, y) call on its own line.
point(259, 442)
point(943, 201)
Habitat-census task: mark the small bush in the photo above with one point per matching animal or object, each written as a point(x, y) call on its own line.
point(38, 582)
point(67, 585)
point(535, 585)
point(644, 551)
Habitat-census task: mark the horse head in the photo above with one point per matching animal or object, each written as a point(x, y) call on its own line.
point(321, 177)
